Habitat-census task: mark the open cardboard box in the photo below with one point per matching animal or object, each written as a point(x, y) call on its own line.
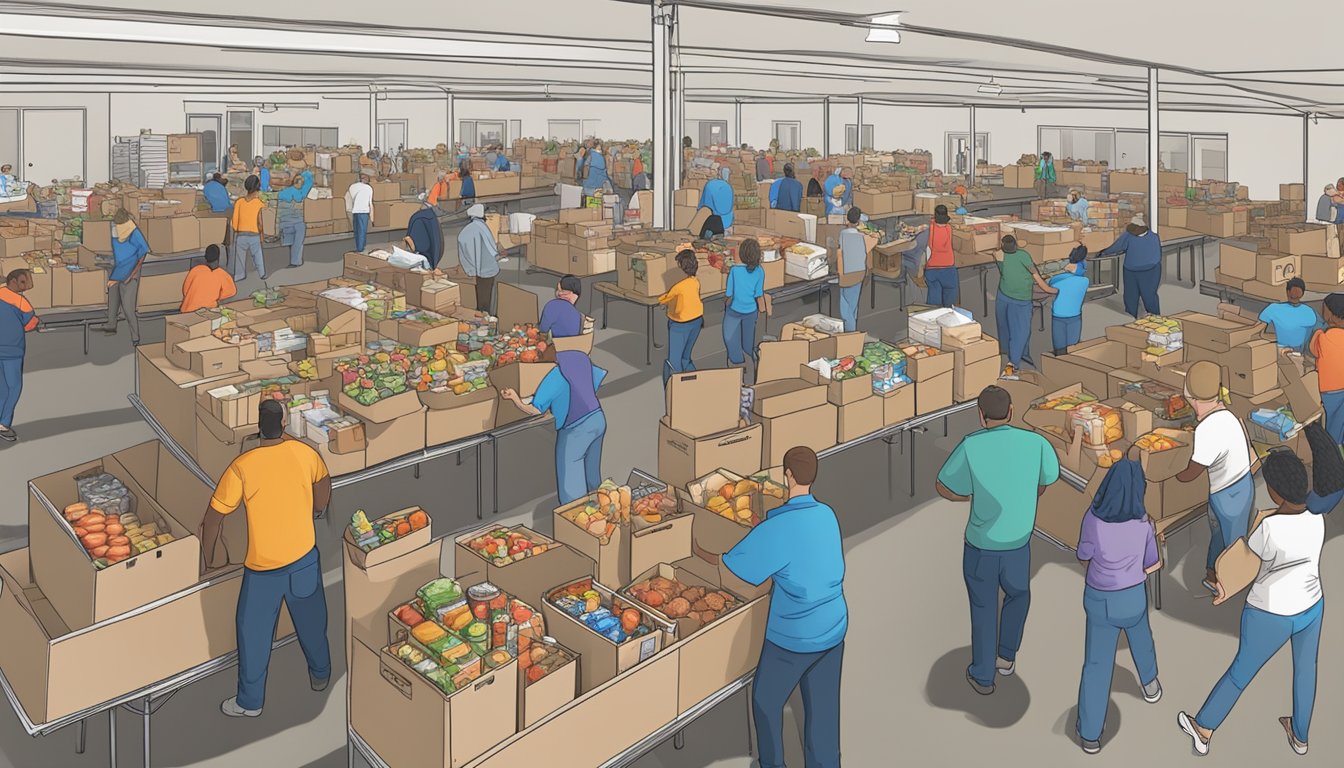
point(527, 578)
point(80, 593)
point(601, 658)
point(519, 306)
point(716, 533)
point(1223, 333)
point(683, 627)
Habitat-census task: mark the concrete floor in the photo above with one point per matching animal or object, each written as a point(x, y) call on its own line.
point(905, 697)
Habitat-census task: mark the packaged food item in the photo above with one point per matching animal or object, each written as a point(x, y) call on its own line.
point(440, 592)
point(427, 633)
point(481, 598)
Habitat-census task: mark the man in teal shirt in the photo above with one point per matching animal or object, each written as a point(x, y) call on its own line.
point(1001, 470)
point(1292, 322)
point(800, 548)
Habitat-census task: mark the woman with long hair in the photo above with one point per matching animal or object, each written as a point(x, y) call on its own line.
point(746, 284)
point(1118, 543)
point(1327, 470)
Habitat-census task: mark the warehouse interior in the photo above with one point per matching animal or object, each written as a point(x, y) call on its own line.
point(77, 79)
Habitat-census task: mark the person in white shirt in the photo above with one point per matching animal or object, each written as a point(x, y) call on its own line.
point(1285, 605)
point(1223, 450)
point(359, 202)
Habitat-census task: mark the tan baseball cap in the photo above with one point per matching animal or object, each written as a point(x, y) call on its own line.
point(1204, 380)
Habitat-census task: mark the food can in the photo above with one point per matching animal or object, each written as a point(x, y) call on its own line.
point(483, 595)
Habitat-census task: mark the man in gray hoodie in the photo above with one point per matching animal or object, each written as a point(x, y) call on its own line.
point(479, 255)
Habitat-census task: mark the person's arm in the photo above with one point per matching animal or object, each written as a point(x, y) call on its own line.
point(228, 288)
point(211, 528)
point(1041, 284)
point(954, 479)
point(1087, 537)
point(547, 320)
point(235, 220)
point(1120, 245)
point(1203, 457)
point(27, 315)
point(350, 200)
point(224, 501)
point(1315, 344)
point(322, 495)
point(261, 230)
point(510, 394)
point(307, 185)
point(1152, 561)
point(1049, 465)
point(1192, 471)
point(758, 556)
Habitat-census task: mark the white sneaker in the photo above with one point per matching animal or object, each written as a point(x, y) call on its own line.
point(1005, 667)
point(1300, 747)
point(1197, 742)
point(1152, 692)
point(231, 708)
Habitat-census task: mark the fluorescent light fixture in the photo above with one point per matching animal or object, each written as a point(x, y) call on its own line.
point(890, 35)
point(992, 88)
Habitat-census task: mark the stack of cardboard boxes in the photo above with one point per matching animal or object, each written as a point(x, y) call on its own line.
point(1260, 266)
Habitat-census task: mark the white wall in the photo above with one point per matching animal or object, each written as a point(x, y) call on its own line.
point(615, 120)
point(97, 159)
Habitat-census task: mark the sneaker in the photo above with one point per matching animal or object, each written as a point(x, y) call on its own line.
point(1300, 747)
point(1152, 692)
point(110, 330)
point(1210, 585)
point(8, 434)
point(318, 684)
point(983, 690)
point(1197, 742)
point(1009, 373)
point(231, 708)
point(1090, 747)
point(1005, 667)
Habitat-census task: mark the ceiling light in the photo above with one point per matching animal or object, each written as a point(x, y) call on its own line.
point(992, 88)
point(885, 30)
point(267, 108)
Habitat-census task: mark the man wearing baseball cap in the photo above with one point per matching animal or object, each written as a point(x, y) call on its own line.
point(478, 252)
point(1221, 449)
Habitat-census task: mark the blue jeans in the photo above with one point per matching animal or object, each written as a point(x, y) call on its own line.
point(778, 674)
point(1229, 516)
point(995, 632)
point(578, 457)
point(944, 286)
point(1109, 614)
point(11, 385)
point(1322, 505)
point(849, 306)
point(1014, 324)
point(1262, 635)
point(739, 335)
point(292, 235)
point(681, 338)
point(1065, 332)
point(244, 244)
point(360, 222)
point(1142, 283)
point(1333, 402)
point(299, 585)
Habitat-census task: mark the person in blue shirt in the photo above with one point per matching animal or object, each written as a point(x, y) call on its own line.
point(129, 250)
point(423, 233)
point(560, 318)
point(841, 177)
point(718, 197)
point(1142, 269)
point(580, 160)
point(17, 320)
point(1070, 290)
point(262, 171)
point(745, 285)
point(1002, 471)
point(216, 193)
point(289, 216)
point(853, 269)
point(786, 193)
point(569, 392)
point(1077, 207)
point(800, 549)
point(468, 192)
point(1292, 321)
point(502, 160)
point(595, 170)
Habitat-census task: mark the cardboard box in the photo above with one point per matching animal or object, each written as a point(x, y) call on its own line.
point(860, 417)
point(928, 368)
point(319, 210)
point(1322, 271)
point(1292, 192)
point(1276, 269)
point(396, 437)
point(392, 215)
point(210, 229)
point(1223, 333)
point(172, 235)
point(785, 396)
point(1303, 239)
point(898, 405)
point(527, 579)
point(1170, 497)
point(601, 659)
point(17, 246)
point(466, 416)
point(1088, 363)
point(682, 458)
point(1238, 259)
point(932, 394)
point(970, 380)
point(386, 191)
point(207, 357)
point(610, 554)
point(715, 533)
point(839, 392)
point(813, 427)
point(704, 402)
point(390, 550)
point(83, 595)
point(389, 701)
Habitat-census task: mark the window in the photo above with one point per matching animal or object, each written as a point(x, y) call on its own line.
point(851, 139)
point(466, 131)
point(590, 129)
point(1202, 156)
point(788, 134)
point(515, 130)
point(562, 130)
point(491, 132)
point(277, 137)
point(240, 133)
point(958, 154)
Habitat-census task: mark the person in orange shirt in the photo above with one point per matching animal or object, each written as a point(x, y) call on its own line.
point(17, 320)
point(285, 487)
point(939, 272)
point(247, 229)
point(206, 284)
point(439, 191)
point(1327, 346)
point(685, 317)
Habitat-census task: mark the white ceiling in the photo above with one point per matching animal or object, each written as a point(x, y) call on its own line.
point(1230, 56)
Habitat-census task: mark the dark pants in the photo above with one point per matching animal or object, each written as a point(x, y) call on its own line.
point(1142, 284)
point(994, 632)
point(739, 336)
point(1065, 332)
point(485, 294)
point(713, 226)
point(944, 286)
point(122, 299)
point(681, 338)
point(299, 585)
point(778, 674)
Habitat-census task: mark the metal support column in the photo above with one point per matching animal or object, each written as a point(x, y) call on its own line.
point(678, 171)
point(373, 118)
point(452, 127)
point(858, 131)
point(970, 172)
point(663, 134)
point(737, 123)
point(826, 127)
point(1154, 156)
point(1306, 143)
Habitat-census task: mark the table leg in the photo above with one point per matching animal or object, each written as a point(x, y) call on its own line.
point(604, 311)
point(112, 737)
point(417, 471)
point(1179, 252)
point(81, 734)
point(1194, 278)
point(85, 326)
point(648, 341)
point(984, 290)
point(912, 464)
point(678, 739)
point(872, 293)
point(751, 724)
point(944, 426)
point(349, 752)
point(480, 484)
point(146, 730)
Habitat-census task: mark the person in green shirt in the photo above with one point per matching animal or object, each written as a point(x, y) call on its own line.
point(1045, 175)
point(1002, 471)
point(1018, 277)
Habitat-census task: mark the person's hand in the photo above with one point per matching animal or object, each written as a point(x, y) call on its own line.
point(511, 394)
point(111, 283)
point(1221, 596)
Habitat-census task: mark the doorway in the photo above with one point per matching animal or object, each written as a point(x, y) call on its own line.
point(713, 132)
point(240, 134)
point(392, 135)
point(47, 136)
point(959, 152)
point(208, 126)
point(562, 130)
point(789, 135)
point(1209, 154)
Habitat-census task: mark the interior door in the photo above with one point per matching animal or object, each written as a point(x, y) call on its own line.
point(1210, 156)
point(788, 135)
point(713, 132)
point(209, 128)
point(53, 144)
point(392, 134)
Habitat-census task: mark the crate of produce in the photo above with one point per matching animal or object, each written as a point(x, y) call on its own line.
point(388, 537)
point(727, 505)
point(680, 598)
point(1164, 453)
point(610, 633)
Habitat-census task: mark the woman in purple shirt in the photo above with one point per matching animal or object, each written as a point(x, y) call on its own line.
point(1119, 546)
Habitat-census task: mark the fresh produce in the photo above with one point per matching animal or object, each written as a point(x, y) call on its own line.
point(917, 351)
point(653, 503)
point(369, 536)
point(1154, 442)
point(439, 593)
point(734, 499)
point(503, 546)
point(597, 612)
point(1109, 457)
point(1065, 402)
point(111, 538)
point(541, 660)
point(606, 508)
point(680, 601)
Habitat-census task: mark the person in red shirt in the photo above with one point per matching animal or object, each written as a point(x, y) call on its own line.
point(17, 320)
point(206, 284)
point(939, 270)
